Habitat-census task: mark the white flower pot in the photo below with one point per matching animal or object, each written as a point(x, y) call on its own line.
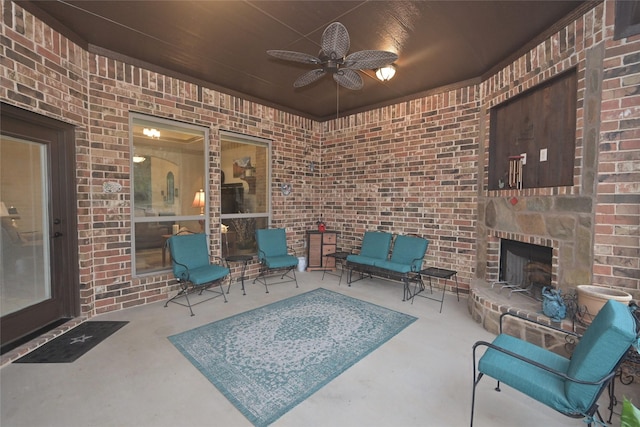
point(592, 298)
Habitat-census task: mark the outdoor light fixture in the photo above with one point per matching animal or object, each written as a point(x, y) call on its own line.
point(139, 159)
point(199, 201)
point(386, 73)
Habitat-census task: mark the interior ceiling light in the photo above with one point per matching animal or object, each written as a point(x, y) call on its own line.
point(151, 133)
point(386, 73)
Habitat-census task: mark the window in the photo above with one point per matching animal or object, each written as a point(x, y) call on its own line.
point(244, 196)
point(627, 19)
point(169, 193)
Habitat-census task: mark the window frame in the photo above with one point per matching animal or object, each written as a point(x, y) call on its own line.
point(240, 138)
point(136, 119)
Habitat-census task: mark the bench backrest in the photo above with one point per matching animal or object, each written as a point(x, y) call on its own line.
point(599, 351)
point(376, 244)
point(409, 250)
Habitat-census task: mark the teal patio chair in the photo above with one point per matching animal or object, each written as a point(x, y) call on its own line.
point(274, 255)
point(570, 386)
point(193, 270)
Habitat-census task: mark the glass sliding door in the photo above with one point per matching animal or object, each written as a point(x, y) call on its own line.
point(25, 278)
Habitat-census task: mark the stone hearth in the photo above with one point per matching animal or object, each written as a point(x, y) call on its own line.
point(486, 304)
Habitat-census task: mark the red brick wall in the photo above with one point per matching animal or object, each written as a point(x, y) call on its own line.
point(407, 168)
point(413, 167)
point(46, 73)
point(617, 232)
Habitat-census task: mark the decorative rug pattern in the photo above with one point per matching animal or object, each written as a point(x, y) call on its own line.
point(268, 360)
point(69, 346)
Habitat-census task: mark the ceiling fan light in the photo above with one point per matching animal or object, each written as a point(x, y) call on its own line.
point(386, 73)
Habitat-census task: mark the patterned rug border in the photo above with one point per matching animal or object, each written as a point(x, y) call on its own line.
point(309, 392)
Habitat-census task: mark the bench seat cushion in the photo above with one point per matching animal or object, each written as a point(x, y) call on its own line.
point(394, 266)
point(364, 260)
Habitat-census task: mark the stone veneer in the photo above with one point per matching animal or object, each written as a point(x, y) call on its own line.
point(487, 304)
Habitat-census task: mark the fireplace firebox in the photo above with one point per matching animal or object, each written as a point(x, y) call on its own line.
point(525, 266)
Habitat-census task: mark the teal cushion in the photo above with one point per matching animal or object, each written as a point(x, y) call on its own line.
point(272, 242)
point(530, 380)
point(409, 250)
point(190, 250)
point(190, 259)
point(600, 349)
point(206, 274)
point(375, 244)
point(281, 261)
point(394, 266)
point(359, 259)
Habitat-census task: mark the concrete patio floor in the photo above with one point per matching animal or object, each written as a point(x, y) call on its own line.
point(421, 377)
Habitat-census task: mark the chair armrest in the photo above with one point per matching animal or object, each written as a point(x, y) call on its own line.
point(413, 261)
point(526, 319)
point(539, 365)
point(186, 269)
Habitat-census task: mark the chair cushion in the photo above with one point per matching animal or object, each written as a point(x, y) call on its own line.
point(206, 274)
point(597, 354)
point(272, 242)
point(190, 250)
point(530, 380)
point(375, 244)
point(409, 250)
point(359, 259)
point(281, 261)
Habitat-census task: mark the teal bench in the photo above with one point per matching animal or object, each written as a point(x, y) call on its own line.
point(403, 262)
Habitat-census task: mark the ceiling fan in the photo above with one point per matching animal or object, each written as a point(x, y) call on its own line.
point(333, 59)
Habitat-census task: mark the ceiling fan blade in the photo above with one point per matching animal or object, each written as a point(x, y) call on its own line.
point(294, 56)
point(335, 41)
point(349, 79)
point(369, 59)
point(309, 77)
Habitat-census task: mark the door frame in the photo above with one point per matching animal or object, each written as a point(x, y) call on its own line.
point(62, 204)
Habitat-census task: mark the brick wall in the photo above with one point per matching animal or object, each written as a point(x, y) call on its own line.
point(46, 73)
point(413, 167)
point(617, 231)
point(407, 168)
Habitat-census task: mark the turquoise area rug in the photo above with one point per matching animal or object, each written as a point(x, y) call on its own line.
point(268, 360)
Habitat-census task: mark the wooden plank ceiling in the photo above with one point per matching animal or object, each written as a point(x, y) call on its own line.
point(223, 44)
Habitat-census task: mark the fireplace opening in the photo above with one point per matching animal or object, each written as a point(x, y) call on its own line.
point(525, 266)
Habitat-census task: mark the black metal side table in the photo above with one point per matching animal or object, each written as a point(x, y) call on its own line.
point(439, 273)
point(244, 259)
point(341, 258)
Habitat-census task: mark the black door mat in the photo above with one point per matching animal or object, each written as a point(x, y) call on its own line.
point(72, 344)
